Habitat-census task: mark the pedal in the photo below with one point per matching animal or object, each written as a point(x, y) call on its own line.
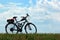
point(20, 30)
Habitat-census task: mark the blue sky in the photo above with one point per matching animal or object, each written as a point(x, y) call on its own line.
point(45, 14)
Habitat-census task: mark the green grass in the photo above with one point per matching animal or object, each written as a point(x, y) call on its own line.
point(29, 36)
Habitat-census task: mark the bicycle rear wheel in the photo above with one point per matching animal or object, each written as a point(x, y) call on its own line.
point(11, 28)
point(30, 28)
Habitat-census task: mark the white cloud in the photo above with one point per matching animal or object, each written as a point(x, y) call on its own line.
point(55, 5)
point(1, 6)
point(33, 10)
point(55, 16)
point(37, 9)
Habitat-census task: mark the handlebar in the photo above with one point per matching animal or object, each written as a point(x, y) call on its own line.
point(24, 18)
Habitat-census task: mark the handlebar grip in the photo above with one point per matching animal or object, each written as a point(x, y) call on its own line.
point(27, 14)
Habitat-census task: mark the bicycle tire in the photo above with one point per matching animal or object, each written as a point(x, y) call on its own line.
point(9, 29)
point(30, 26)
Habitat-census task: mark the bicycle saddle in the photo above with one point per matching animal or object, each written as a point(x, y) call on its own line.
point(14, 17)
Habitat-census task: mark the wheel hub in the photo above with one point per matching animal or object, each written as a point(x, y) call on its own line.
point(11, 29)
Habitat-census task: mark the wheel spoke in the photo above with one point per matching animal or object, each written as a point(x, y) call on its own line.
point(31, 28)
point(10, 29)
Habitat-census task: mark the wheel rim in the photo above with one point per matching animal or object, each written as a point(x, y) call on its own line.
point(32, 29)
point(10, 29)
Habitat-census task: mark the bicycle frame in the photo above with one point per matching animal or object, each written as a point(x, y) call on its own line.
point(23, 23)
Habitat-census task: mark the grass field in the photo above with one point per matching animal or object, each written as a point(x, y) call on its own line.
point(29, 36)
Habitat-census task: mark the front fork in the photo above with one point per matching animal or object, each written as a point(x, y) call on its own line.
point(28, 25)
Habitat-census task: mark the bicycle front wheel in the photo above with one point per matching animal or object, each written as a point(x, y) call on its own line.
point(30, 28)
point(11, 28)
